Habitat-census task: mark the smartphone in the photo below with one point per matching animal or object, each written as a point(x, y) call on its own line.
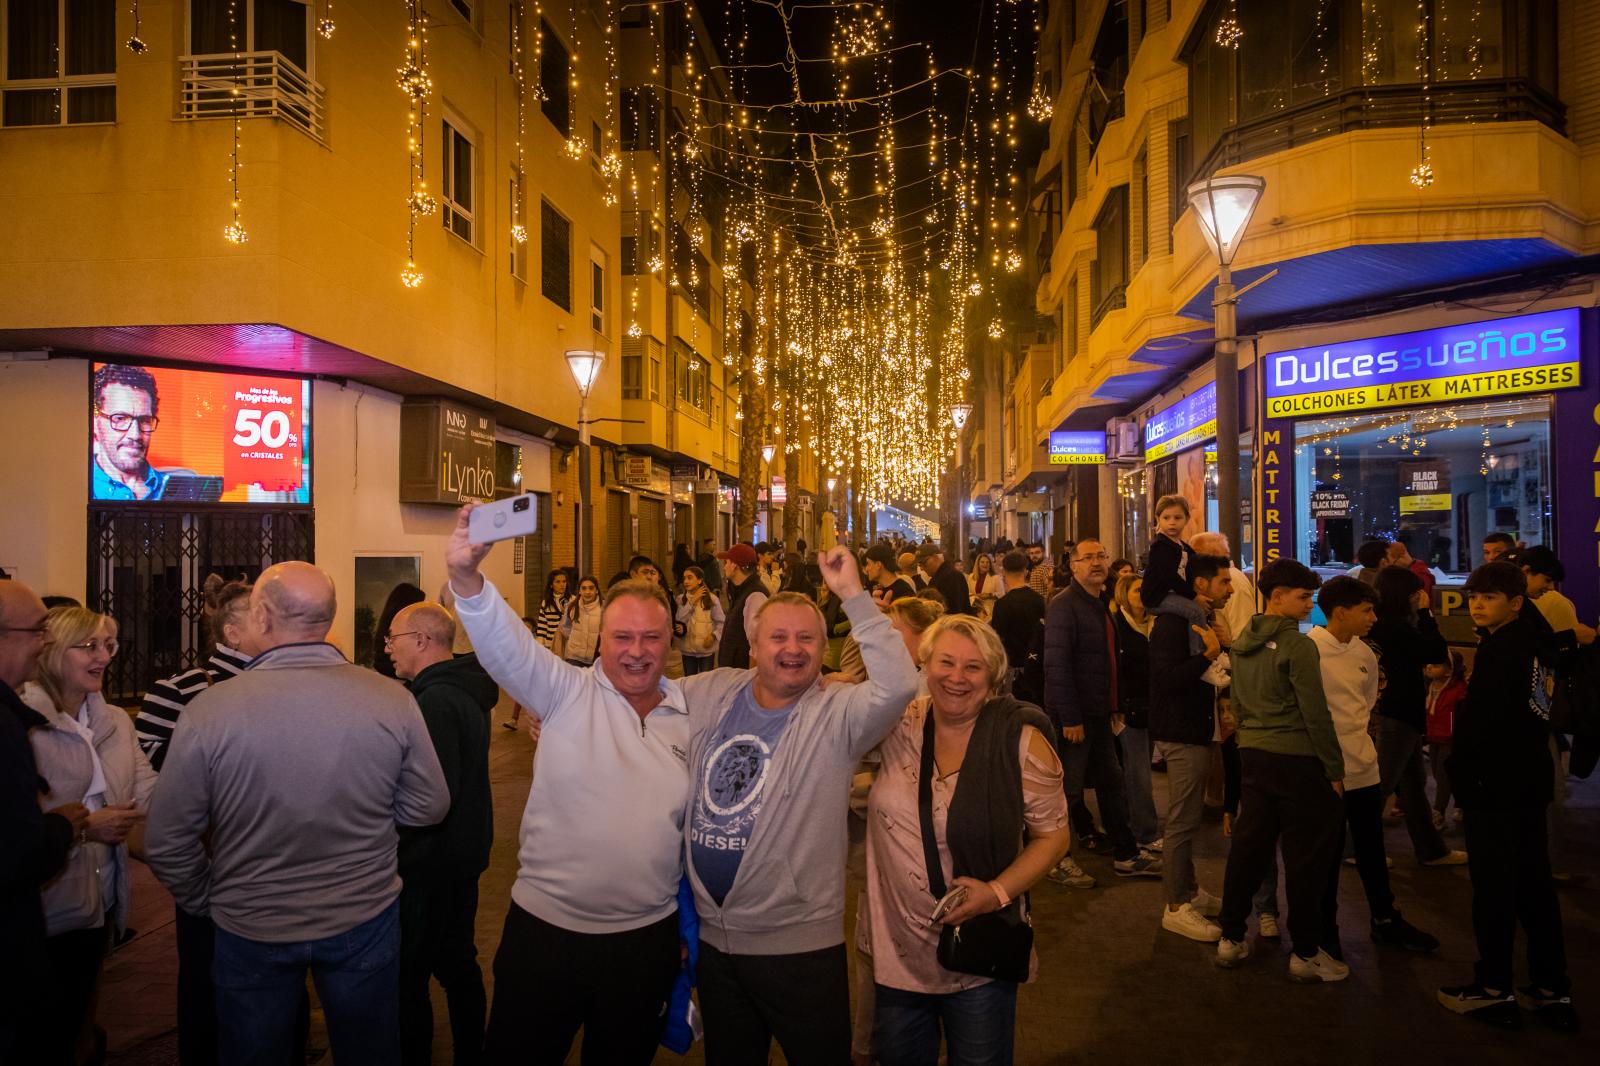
point(952, 899)
point(503, 519)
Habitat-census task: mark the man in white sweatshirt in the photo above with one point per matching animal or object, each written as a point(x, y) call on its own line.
point(591, 938)
point(1350, 680)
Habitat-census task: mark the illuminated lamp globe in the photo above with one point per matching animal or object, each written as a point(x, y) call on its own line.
point(585, 367)
point(1224, 206)
point(833, 483)
point(959, 413)
point(767, 451)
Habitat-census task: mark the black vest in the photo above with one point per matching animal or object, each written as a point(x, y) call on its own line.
point(735, 647)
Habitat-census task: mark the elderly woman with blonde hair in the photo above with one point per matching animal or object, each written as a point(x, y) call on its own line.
point(966, 815)
point(86, 753)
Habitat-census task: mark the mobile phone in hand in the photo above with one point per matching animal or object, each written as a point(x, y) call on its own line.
point(952, 899)
point(503, 519)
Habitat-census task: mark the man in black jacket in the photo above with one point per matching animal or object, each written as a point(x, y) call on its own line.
point(1018, 619)
point(947, 579)
point(746, 594)
point(440, 864)
point(1183, 725)
point(33, 843)
point(1500, 770)
point(1080, 695)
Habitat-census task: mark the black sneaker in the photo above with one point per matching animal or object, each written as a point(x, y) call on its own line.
point(1475, 1001)
point(1400, 933)
point(1093, 842)
point(1555, 1011)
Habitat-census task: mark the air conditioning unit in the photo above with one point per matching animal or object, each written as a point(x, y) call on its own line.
point(1124, 434)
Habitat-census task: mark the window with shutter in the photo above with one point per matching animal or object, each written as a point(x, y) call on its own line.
point(555, 72)
point(555, 256)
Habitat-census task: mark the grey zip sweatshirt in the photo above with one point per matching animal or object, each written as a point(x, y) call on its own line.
point(788, 896)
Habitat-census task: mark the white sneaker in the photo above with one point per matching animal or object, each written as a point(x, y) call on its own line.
point(1267, 926)
point(1319, 967)
point(1206, 903)
point(1449, 858)
point(1231, 953)
point(1186, 921)
point(1154, 847)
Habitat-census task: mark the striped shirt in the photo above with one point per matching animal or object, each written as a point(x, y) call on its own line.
point(548, 620)
point(158, 713)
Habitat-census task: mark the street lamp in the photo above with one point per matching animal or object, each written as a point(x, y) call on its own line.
point(959, 413)
point(767, 452)
point(1224, 206)
point(585, 366)
point(833, 483)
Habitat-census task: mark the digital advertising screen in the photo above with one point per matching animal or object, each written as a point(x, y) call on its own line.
point(197, 436)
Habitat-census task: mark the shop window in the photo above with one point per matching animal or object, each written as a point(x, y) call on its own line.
point(555, 71)
point(1438, 479)
point(460, 178)
point(60, 62)
point(555, 256)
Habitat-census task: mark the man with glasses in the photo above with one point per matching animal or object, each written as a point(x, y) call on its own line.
point(34, 843)
point(440, 864)
point(125, 406)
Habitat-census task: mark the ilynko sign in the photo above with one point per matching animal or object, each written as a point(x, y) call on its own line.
point(1183, 425)
point(1474, 361)
point(1069, 448)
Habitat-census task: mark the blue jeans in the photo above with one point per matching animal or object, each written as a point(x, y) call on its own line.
point(357, 973)
point(1136, 779)
point(979, 1025)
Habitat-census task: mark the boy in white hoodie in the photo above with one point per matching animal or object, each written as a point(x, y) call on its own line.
point(1350, 680)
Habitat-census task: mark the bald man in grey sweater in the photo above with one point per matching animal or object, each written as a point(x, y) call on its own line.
point(300, 768)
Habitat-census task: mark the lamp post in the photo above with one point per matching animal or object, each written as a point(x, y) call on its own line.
point(768, 450)
point(1224, 206)
point(959, 413)
point(585, 367)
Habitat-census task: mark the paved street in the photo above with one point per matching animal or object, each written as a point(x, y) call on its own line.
point(1112, 987)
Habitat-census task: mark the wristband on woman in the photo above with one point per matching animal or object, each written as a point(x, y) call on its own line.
point(1000, 893)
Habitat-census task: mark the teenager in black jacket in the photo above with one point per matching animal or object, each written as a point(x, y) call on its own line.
point(1501, 771)
point(1408, 641)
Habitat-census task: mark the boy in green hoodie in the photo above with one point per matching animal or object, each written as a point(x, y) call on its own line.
point(1292, 774)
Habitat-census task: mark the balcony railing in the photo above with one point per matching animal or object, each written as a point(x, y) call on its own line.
point(1384, 106)
point(267, 84)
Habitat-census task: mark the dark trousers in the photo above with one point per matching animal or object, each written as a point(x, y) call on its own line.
point(72, 962)
point(1230, 775)
point(802, 1000)
point(1404, 777)
point(1093, 764)
point(698, 664)
point(1363, 816)
point(1508, 857)
point(437, 916)
point(197, 996)
point(550, 982)
point(1284, 796)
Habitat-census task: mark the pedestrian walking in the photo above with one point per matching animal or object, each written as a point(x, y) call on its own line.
point(1133, 703)
point(580, 625)
point(700, 620)
point(1018, 620)
point(950, 582)
point(746, 594)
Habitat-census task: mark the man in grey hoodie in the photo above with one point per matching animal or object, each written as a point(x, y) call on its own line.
point(771, 757)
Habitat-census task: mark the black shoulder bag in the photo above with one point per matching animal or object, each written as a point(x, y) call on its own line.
point(997, 945)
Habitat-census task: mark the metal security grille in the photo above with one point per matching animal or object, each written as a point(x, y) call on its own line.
point(147, 566)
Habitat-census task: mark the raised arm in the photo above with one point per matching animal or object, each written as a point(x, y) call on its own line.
point(870, 709)
point(526, 669)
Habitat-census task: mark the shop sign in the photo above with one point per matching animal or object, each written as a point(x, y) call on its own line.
point(1068, 448)
point(1451, 364)
point(685, 470)
point(1190, 421)
point(446, 452)
point(642, 472)
point(1276, 475)
point(979, 508)
point(1033, 503)
point(1424, 487)
point(1330, 503)
point(780, 490)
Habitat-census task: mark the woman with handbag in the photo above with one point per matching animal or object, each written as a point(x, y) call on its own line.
point(967, 814)
point(700, 619)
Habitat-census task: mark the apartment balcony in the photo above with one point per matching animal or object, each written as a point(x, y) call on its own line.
point(251, 85)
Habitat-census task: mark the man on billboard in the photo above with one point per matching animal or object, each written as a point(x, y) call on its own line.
point(125, 405)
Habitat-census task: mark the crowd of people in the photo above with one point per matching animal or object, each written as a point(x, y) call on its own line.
point(702, 737)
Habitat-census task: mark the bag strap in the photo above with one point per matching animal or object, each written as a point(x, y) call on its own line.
point(930, 848)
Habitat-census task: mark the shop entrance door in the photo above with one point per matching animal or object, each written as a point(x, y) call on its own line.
point(147, 566)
